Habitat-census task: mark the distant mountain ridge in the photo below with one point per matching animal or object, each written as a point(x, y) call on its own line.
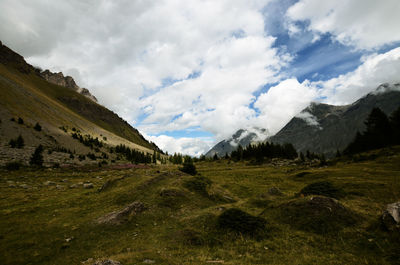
point(242, 137)
point(323, 128)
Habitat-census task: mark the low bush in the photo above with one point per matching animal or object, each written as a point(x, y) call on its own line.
point(238, 221)
point(324, 188)
point(15, 165)
point(198, 184)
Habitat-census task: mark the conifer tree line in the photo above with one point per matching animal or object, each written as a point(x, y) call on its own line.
point(264, 150)
point(381, 131)
point(133, 155)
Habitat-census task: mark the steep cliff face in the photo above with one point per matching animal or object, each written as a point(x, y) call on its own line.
point(324, 128)
point(66, 81)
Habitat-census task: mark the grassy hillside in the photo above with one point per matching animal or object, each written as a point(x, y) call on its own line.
point(76, 102)
point(48, 217)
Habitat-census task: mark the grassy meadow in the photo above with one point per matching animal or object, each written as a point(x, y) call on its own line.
point(48, 217)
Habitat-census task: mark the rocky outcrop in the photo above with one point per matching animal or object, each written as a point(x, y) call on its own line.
point(66, 81)
point(122, 216)
point(391, 216)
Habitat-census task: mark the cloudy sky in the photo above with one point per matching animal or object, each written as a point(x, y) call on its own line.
point(189, 73)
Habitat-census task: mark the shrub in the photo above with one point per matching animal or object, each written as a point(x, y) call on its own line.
point(198, 184)
point(324, 188)
point(189, 169)
point(37, 127)
point(20, 142)
point(238, 221)
point(37, 157)
point(15, 165)
point(13, 143)
point(17, 143)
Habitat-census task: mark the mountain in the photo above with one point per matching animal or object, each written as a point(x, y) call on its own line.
point(323, 128)
point(30, 96)
point(66, 81)
point(242, 137)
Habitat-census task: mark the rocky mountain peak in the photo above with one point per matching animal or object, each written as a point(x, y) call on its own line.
point(242, 137)
point(66, 81)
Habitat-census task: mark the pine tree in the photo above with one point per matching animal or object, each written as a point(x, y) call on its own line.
point(37, 157)
point(37, 127)
point(154, 157)
point(20, 142)
point(395, 125)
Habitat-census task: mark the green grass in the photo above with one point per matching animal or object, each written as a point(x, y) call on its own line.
point(180, 225)
point(30, 95)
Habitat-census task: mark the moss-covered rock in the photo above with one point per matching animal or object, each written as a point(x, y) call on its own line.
point(317, 214)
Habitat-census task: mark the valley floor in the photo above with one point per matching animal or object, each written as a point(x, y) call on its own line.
point(52, 216)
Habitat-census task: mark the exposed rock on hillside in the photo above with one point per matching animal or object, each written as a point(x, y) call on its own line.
point(122, 216)
point(66, 81)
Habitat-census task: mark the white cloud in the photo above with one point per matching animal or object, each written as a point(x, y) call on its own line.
point(282, 102)
point(308, 118)
point(375, 70)
point(185, 145)
point(366, 24)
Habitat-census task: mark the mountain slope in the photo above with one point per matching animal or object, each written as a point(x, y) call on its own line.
point(242, 137)
point(25, 94)
point(323, 128)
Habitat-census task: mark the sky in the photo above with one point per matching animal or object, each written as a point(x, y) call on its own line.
point(190, 73)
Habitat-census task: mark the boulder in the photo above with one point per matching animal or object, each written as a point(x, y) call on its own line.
point(391, 216)
point(122, 216)
point(88, 186)
point(274, 191)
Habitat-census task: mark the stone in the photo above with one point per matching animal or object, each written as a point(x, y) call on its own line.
point(25, 186)
point(88, 186)
point(107, 262)
point(122, 216)
point(391, 216)
point(149, 261)
point(60, 187)
point(73, 186)
point(49, 183)
point(274, 191)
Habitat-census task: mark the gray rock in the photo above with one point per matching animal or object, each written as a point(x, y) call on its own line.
point(60, 187)
point(73, 186)
point(274, 191)
point(394, 210)
point(149, 261)
point(88, 186)
point(25, 186)
point(120, 217)
point(49, 183)
point(391, 216)
point(107, 262)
